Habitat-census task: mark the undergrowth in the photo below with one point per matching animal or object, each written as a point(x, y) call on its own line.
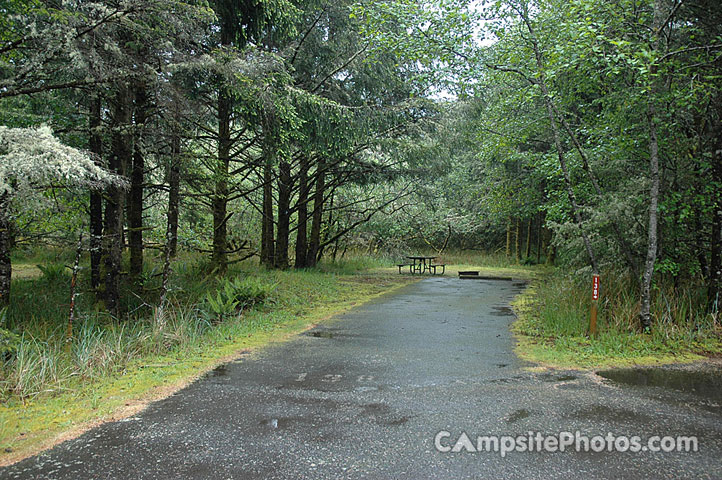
point(39, 358)
point(554, 322)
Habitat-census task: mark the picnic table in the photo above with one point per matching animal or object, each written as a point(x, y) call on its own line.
point(422, 264)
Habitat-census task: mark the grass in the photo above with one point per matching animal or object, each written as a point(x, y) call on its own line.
point(53, 389)
point(554, 315)
point(25, 271)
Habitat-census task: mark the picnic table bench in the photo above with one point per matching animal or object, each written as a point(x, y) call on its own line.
point(422, 264)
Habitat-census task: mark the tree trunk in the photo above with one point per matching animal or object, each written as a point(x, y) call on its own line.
point(551, 250)
point(528, 239)
point(327, 234)
point(284, 215)
point(166, 267)
point(555, 115)
point(621, 241)
point(74, 291)
point(173, 195)
point(714, 287)
point(137, 180)
point(6, 244)
point(95, 145)
point(219, 202)
point(568, 182)
point(517, 247)
point(539, 232)
point(644, 314)
point(645, 317)
point(267, 220)
point(314, 244)
point(714, 267)
point(704, 267)
point(334, 252)
point(113, 228)
point(302, 208)
point(508, 237)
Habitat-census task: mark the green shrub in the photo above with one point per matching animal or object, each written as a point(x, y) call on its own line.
point(53, 272)
point(235, 295)
point(9, 341)
point(217, 306)
point(249, 291)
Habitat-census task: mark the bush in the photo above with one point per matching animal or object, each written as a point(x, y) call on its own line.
point(53, 272)
point(233, 296)
point(249, 291)
point(9, 341)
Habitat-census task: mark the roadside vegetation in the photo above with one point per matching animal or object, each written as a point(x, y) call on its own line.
point(553, 325)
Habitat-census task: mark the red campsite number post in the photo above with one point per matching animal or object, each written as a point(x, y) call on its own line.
point(595, 298)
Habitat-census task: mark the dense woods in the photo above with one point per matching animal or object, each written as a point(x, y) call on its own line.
point(230, 118)
point(595, 120)
point(579, 133)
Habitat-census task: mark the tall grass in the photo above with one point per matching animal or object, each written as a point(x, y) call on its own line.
point(558, 314)
point(353, 262)
point(490, 259)
point(46, 361)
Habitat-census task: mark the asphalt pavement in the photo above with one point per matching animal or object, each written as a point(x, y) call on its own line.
point(399, 388)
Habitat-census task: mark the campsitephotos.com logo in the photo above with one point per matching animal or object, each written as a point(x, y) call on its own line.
point(445, 442)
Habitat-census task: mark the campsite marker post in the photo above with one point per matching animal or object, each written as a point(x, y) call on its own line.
point(595, 298)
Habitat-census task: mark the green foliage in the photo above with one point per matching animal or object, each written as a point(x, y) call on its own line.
point(339, 97)
point(249, 291)
point(219, 306)
point(9, 341)
point(54, 273)
point(235, 295)
point(200, 309)
point(604, 67)
point(554, 316)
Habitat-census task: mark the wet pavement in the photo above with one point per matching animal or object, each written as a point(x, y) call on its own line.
point(365, 395)
point(703, 381)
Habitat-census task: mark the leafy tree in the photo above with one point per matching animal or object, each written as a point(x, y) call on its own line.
point(32, 159)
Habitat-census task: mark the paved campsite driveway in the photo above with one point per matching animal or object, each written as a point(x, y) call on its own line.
point(365, 395)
